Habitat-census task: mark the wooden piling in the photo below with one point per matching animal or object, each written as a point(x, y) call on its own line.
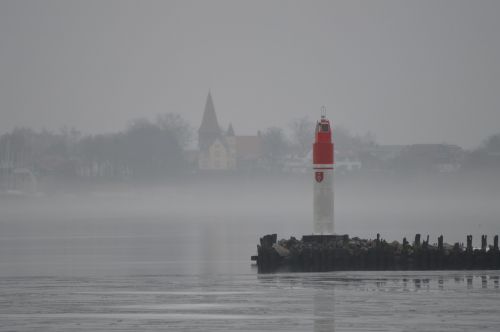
point(416, 243)
point(469, 242)
point(440, 242)
point(484, 242)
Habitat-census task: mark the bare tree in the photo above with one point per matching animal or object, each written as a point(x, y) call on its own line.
point(492, 144)
point(179, 127)
point(275, 146)
point(302, 135)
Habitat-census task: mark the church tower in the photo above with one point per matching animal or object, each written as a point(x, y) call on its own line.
point(231, 147)
point(209, 130)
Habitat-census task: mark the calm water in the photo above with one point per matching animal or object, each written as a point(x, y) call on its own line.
point(180, 262)
point(451, 301)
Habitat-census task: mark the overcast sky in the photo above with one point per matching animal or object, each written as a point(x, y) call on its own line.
point(407, 71)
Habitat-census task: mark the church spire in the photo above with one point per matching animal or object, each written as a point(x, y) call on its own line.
point(230, 130)
point(209, 129)
point(209, 124)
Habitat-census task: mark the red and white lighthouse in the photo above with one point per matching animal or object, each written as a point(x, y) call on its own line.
point(323, 176)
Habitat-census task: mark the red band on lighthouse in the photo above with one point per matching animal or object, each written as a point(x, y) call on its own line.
point(323, 144)
point(323, 153)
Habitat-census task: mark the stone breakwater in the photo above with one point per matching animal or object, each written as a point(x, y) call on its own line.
point(318, 253)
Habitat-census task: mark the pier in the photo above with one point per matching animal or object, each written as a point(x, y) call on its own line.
point(321, 253)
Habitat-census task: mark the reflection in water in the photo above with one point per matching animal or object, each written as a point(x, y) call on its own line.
point(484, 281)
point(354, 301)
point(405, 284)
point(417, 283)
point(324, 309)
point(495, 281)
point(357, 300)
point(406, 281)
point(346, 299)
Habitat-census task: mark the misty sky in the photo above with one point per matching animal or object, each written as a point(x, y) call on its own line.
point(410, 72)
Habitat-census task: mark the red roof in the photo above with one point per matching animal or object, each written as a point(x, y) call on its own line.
point(248, 147)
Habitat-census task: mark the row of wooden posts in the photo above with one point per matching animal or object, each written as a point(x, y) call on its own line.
point(440, 244)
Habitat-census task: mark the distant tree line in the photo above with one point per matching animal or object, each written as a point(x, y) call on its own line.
point(155, 149)
point(145, 149)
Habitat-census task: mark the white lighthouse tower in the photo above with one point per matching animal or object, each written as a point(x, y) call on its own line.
point(323, 176)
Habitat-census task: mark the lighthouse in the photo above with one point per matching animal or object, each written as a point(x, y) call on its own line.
point(323, 176)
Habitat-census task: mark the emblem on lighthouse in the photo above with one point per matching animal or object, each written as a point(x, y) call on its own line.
point(319, 176)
